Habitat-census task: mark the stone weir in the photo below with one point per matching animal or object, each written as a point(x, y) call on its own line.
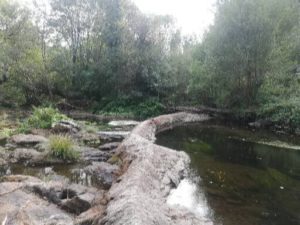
point(139, 196)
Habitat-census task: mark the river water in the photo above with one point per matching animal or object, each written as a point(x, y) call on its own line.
point(238, 176)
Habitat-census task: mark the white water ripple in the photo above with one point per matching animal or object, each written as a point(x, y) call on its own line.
point(188, 195)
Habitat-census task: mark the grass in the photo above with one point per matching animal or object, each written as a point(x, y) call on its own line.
point(43, 118)
point(62, 147)
point(6, 127)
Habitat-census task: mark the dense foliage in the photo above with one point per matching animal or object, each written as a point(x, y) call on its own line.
point(250, 59)
point(108, 52)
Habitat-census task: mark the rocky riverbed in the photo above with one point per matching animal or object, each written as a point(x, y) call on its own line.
point(36, 188)
point(110, 183)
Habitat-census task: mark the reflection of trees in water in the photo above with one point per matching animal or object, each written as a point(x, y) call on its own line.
point(287, 161)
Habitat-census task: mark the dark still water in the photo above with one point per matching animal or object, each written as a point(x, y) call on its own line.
point(244, 182)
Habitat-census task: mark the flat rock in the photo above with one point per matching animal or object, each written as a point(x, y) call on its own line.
point(113, 136)
point(94, 154)
point(109, 146)
point(123, 123)
point(26, 155)
point(28, 139)
point(18, 207)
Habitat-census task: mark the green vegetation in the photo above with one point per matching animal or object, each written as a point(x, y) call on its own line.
point(62, 147)
point(249, 59)
point(6, 132)
point(129, 63)
point(133, 109)
point(42, 117)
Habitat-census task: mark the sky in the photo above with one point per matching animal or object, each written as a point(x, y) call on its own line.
point(192, 16)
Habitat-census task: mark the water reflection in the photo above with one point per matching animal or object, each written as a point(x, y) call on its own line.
point(245, 183)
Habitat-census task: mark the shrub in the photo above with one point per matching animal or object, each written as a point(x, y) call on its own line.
point(42, 117)
point(137, 109)
point(62, 147)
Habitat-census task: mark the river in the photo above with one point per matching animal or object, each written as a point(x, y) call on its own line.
point(238, 176)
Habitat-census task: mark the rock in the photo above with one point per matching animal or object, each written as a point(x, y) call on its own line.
point(65, 126)
point(41, 132)
point(27, 139)
point(94, 155)
point(72, 198)
point(26, 155)
point(81, 199)
point(90, 216)
point(109, 146)
point(10, 146)
point(151, 172)
point(112, 136)
point(103, 173)
point(90, 139)
point(75, 205)
point(123, 123)
point(3, 162)
point(18, 207)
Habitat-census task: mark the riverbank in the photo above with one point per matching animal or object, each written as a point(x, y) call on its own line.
point(107, 182)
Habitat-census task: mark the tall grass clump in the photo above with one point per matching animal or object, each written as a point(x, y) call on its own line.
point(62, 147)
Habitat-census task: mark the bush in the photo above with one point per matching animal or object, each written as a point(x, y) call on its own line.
point(131, 108)
point(45, 117)
point(42, 117)
point(62, 147)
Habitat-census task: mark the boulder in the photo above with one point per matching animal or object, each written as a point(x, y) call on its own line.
point(65, 126)
point(27, 139)
point(26, 155)
point(104, 174)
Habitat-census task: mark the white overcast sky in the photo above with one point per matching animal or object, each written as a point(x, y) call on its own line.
point(192, 16)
